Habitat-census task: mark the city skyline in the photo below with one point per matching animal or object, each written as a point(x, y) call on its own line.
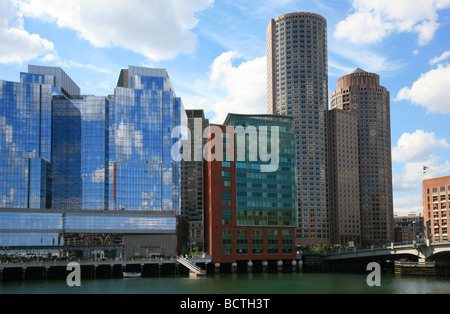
point(210, 48)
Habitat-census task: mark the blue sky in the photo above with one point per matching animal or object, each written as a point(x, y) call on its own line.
point(214, 51)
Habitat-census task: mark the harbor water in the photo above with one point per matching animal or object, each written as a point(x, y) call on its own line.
point(237, 283)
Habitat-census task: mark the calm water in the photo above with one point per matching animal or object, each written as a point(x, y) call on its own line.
point(296, 283)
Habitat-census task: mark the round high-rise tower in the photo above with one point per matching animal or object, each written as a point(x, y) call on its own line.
point(361, 92)
point(297, 86)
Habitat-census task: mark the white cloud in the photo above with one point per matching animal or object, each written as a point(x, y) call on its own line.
point(366, 59)
point(408, 204)
point(230, 88)
point(16, 44)
point(430, 90)
point(411, 177)
point(416, 150)
point(417, 146)
point(372, 21)
point(445, 55)
point(157, 29)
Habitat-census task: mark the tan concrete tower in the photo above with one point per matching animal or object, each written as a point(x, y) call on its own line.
point(297, 86)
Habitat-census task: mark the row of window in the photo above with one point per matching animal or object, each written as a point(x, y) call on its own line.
point(256, 244)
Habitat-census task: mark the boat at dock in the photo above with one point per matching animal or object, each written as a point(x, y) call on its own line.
point(131, 274)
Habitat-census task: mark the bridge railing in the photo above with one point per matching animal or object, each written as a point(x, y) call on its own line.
point(383, 246)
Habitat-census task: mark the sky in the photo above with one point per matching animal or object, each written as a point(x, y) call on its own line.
point(215, 54)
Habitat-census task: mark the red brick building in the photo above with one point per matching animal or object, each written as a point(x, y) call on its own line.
point(230, 235)
point(436, 202)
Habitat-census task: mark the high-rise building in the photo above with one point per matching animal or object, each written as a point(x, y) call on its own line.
point(361, 92)
point(192, 179)
point(250, 201)
point(297, 86)
point(436, 204)
point(343, 177)
point(88, 170)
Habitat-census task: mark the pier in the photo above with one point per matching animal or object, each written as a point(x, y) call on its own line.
point(43, 270)
point(48, 270)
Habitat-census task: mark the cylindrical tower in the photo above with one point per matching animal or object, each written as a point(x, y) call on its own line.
point(361, 92)
point(297, 86)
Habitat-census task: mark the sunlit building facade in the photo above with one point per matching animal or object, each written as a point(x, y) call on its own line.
point(89, 170)
point(436, 205)
point(297, 86)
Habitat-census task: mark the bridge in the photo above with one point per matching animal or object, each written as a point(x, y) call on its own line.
point(422, 251)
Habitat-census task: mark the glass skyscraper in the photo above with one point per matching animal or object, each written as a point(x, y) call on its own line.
point(73, 166)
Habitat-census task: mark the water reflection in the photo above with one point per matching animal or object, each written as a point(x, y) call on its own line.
point(296, 283)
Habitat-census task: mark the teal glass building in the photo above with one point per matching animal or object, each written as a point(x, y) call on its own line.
point(73, 167)
point(265, 198)
point(251, 202)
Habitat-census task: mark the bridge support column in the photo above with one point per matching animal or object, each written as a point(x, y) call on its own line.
point(249, 266)
point(280, 266)
point(265, 264)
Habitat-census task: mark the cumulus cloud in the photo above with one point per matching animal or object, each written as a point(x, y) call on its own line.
point(416, 150)
point(411, 177)
point(372, 21)
point(16, 44)
point(231, 88)
point(157, 29)
point(445, 55)
point(408, 204)
point(430, 90)
point(417, 146)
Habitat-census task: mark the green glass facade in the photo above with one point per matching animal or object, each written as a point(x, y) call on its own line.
point(265, 198)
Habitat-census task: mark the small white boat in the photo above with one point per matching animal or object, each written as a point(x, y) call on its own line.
point(131, 275)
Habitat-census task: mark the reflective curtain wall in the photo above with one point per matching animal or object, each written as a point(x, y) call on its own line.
point(61, 152)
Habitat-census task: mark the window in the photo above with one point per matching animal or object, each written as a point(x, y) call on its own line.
point(241, 242)
point(226, 197)
point(287, 241)
point(272, 241)
point(226, 241)
point(226, 217)
point(257, 241)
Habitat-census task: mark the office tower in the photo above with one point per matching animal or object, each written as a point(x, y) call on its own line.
point(361, 92)
point(143, 114)
point(297, 86)
point(40, 143)
point(90, 171)
point(436, 202)
point(192, 178)
point(250, 201)
point(343, 177)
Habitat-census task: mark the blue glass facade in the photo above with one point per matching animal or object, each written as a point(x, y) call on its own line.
point(143, 174)
point(64, 152)
point(94, 151)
